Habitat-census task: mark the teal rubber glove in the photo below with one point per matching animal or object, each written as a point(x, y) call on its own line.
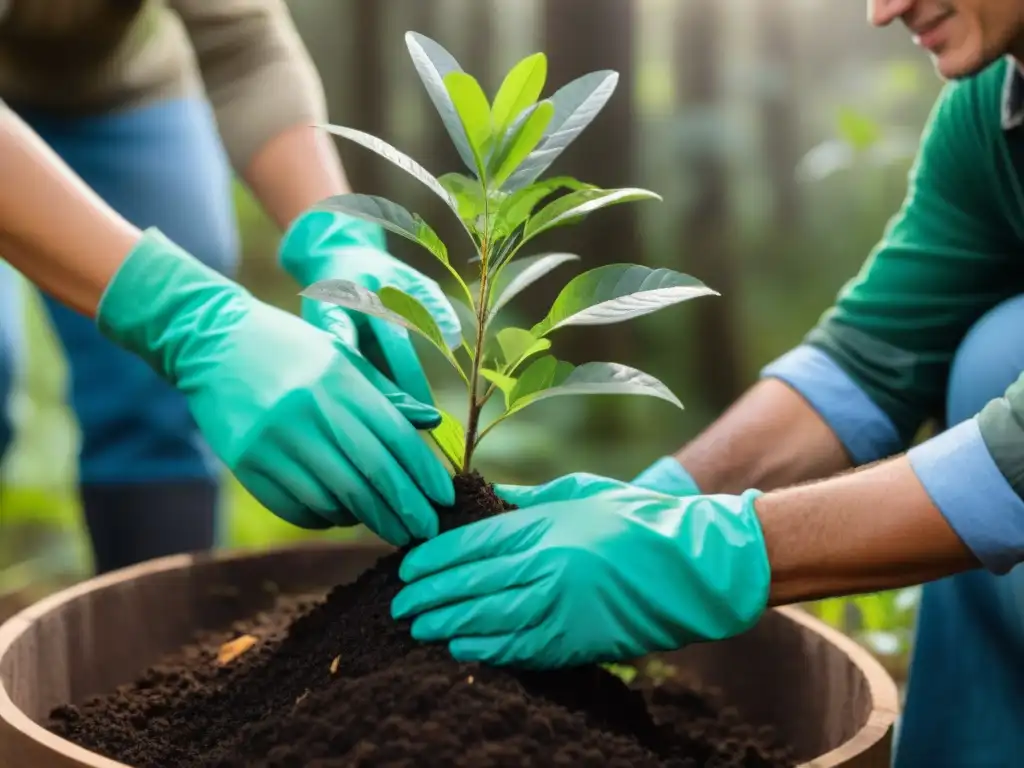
point(667, 475)
point(314, 432)
point(588, 570)
point(321, 245)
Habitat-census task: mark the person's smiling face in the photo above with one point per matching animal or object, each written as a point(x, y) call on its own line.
point(962, 36)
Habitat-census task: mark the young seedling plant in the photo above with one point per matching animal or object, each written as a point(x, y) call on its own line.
point(503, 205)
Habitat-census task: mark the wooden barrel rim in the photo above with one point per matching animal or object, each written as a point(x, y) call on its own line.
point(882, 688)
point(884, 695)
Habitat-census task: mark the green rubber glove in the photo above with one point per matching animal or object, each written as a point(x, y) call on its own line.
point(312, 431)
point(588, 570)
point(667, 475)
point(321, 245)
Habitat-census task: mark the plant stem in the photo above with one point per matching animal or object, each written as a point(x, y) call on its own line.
point(475, 405)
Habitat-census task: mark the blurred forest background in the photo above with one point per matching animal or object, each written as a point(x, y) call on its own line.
point(779, 134)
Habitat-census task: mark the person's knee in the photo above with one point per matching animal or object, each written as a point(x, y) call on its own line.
point(989, 359)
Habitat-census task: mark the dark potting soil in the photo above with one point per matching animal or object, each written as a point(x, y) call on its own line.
point(336, 682)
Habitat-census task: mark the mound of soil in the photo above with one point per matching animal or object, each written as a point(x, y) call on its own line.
point(335, 682)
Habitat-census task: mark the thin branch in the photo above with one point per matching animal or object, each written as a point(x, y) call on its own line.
point(475, 406)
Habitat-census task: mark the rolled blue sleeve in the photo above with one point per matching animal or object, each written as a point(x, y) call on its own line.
point(865, 431)
point(965, 483)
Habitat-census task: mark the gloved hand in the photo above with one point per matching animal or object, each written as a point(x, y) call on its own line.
point(311, 430)
point(588, 570)
point(667, 475)
point(321, 245)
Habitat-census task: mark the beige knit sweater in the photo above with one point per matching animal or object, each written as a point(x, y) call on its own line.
point(97, 56)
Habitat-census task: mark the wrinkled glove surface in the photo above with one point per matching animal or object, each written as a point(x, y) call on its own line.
point(588, 570)
point(312, 430)
point(322, 245)
point(667, 475)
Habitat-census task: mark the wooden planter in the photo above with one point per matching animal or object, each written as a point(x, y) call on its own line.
point(826, 695)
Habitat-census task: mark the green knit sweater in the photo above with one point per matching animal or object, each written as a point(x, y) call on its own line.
point(953, 251)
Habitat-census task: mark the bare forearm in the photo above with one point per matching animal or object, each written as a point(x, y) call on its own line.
point(294, 170)
point(770, 438)
point(864, 531)
point(53, 228)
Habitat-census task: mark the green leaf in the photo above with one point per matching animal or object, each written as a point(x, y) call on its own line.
point(541, 375)
point(475, 113)
point(547, 377)
point(467, 319)
point(522, 139)
point(518, 206)
point(397, 157)
point(433, 63)
point(505, 383)
point(857, 130)
point(388, 304)
point(410, 308)
point(389, 215)
point(517, 344)
point(580, 203)
point(624, 672)
point(520, 89)
point(618, 292)
point(521, 273)
point(468, 195)
point(576, 105)
point(503, 251)
point(467, 192)
point(450, 437)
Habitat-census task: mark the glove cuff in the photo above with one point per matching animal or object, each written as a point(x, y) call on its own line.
point(754, 601)
point(667, 475)
point(155, 305)
point(721, 540)
point(315, 239)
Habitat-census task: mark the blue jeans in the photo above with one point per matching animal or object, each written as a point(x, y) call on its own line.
point(11, 352)
point(965, 696)
point(160, 165)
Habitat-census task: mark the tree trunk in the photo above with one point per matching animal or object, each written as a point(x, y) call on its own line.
point(604, 154)
point(780, 111)
point(706, 227)
point(368, 81)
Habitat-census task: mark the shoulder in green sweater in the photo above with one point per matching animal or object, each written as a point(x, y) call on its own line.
point(877, 364)
point(953, 251)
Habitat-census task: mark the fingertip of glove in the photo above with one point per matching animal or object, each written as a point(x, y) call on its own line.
point(407, 571)
point(304, 518)
point(399, 538)
point(426, 420)
point(420, 415)
point(416, 564)
point(443, 493)
point(426, 527)
point(466, 651)
point(422, 630)
point(401, 607)
point(513, 494)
